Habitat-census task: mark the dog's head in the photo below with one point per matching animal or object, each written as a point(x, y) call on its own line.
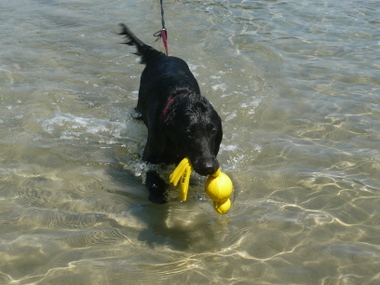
point(198, 132)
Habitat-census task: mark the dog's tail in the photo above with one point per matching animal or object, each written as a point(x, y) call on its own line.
point(146, 52)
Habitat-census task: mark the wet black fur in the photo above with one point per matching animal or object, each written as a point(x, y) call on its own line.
point(181, 123)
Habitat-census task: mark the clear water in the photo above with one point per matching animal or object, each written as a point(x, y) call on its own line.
point(297, 84)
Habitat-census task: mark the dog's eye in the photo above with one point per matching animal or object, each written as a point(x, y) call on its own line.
point(189, 132)
point(211, 129)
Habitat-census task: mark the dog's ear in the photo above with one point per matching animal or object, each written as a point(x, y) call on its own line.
point(218, 140)
point(168, 120)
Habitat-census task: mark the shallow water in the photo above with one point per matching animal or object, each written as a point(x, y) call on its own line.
point(296, 84)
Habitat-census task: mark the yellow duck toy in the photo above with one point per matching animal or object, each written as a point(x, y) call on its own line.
point(218, 185)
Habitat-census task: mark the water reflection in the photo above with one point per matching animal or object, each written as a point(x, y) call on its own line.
point(297, 87)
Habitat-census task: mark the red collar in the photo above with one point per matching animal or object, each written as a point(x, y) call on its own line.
point(170, 101)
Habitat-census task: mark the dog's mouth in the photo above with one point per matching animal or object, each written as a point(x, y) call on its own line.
point(205, 166)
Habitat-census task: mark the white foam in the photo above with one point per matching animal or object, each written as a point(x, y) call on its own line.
point(221, 86)
point(69, 126)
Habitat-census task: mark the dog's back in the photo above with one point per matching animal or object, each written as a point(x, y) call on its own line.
point(181, 123)
point(162, 76)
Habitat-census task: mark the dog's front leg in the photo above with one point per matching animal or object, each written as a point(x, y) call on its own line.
point(153, 149)
point(156, 186)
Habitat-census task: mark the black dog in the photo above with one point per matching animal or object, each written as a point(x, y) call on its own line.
point(181, 123)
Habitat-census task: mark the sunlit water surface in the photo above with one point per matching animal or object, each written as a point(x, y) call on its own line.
point(297, 86)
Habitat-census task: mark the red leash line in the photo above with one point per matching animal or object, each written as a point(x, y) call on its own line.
point(164, 36)
point(163, 33)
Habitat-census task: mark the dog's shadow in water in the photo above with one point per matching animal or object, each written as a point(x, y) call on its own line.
point(180, 225)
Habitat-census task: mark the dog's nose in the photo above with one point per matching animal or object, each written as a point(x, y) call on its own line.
point(206, 166)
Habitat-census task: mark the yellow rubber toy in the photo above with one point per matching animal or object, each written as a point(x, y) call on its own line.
point(218, 185)
point(182, 174)
point(222, 207)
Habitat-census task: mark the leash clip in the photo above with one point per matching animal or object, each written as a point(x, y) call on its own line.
point(162, 34)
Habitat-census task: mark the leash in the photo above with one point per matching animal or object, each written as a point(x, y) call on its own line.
point(163, 33)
